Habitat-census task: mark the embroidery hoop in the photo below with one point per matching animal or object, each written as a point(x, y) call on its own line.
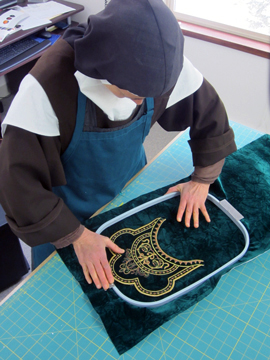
point(223, 205)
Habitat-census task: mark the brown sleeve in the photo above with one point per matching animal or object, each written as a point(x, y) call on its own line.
point(208, 174)
point(30, 166)
point(211, 137)
point(70, 238)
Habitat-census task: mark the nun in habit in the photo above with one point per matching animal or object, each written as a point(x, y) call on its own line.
point(73, 136)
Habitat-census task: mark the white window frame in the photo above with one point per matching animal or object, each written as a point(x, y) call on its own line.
point(218, 26)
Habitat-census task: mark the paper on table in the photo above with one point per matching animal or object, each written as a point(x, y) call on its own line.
point(9, 22)
point(32, 22)
point(47, 10)
point(5, 32)
point(9, 19)
point(40, 14)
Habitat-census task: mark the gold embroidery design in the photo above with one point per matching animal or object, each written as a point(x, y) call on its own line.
point(145, 258)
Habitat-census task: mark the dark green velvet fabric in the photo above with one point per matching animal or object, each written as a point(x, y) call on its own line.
point(176, 242)
point(245, 183)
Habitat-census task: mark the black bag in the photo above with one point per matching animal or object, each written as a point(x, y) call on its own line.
point(13, 264)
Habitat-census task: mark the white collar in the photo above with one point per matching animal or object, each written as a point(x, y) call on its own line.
point(115, 108)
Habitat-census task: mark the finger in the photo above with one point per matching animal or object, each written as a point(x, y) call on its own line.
point(101, 276)
point(108, 271)
point(94, 275)
point(176, 188)
point(195, 217)
point(189, 211)
point(86, 274)
point(181, 209)
point(205, 213)
point(172, 189)
point(115, 248)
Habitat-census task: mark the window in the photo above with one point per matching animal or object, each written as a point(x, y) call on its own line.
point(247, 18)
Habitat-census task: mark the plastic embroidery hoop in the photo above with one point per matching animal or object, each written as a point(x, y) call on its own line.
point(223, 205)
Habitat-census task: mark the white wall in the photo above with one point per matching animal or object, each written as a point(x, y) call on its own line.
point(90, 7)
point(242, 80)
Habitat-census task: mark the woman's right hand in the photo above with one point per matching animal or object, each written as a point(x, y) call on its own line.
point(90, 249)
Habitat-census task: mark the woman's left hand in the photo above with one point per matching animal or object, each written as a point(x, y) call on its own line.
point(192, 200)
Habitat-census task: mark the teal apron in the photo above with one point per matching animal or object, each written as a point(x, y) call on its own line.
point(98, 164)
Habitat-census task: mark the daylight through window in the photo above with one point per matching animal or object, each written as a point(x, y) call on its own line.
point(250, 18)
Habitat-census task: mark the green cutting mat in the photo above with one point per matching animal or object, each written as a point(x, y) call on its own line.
point(50, 318)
